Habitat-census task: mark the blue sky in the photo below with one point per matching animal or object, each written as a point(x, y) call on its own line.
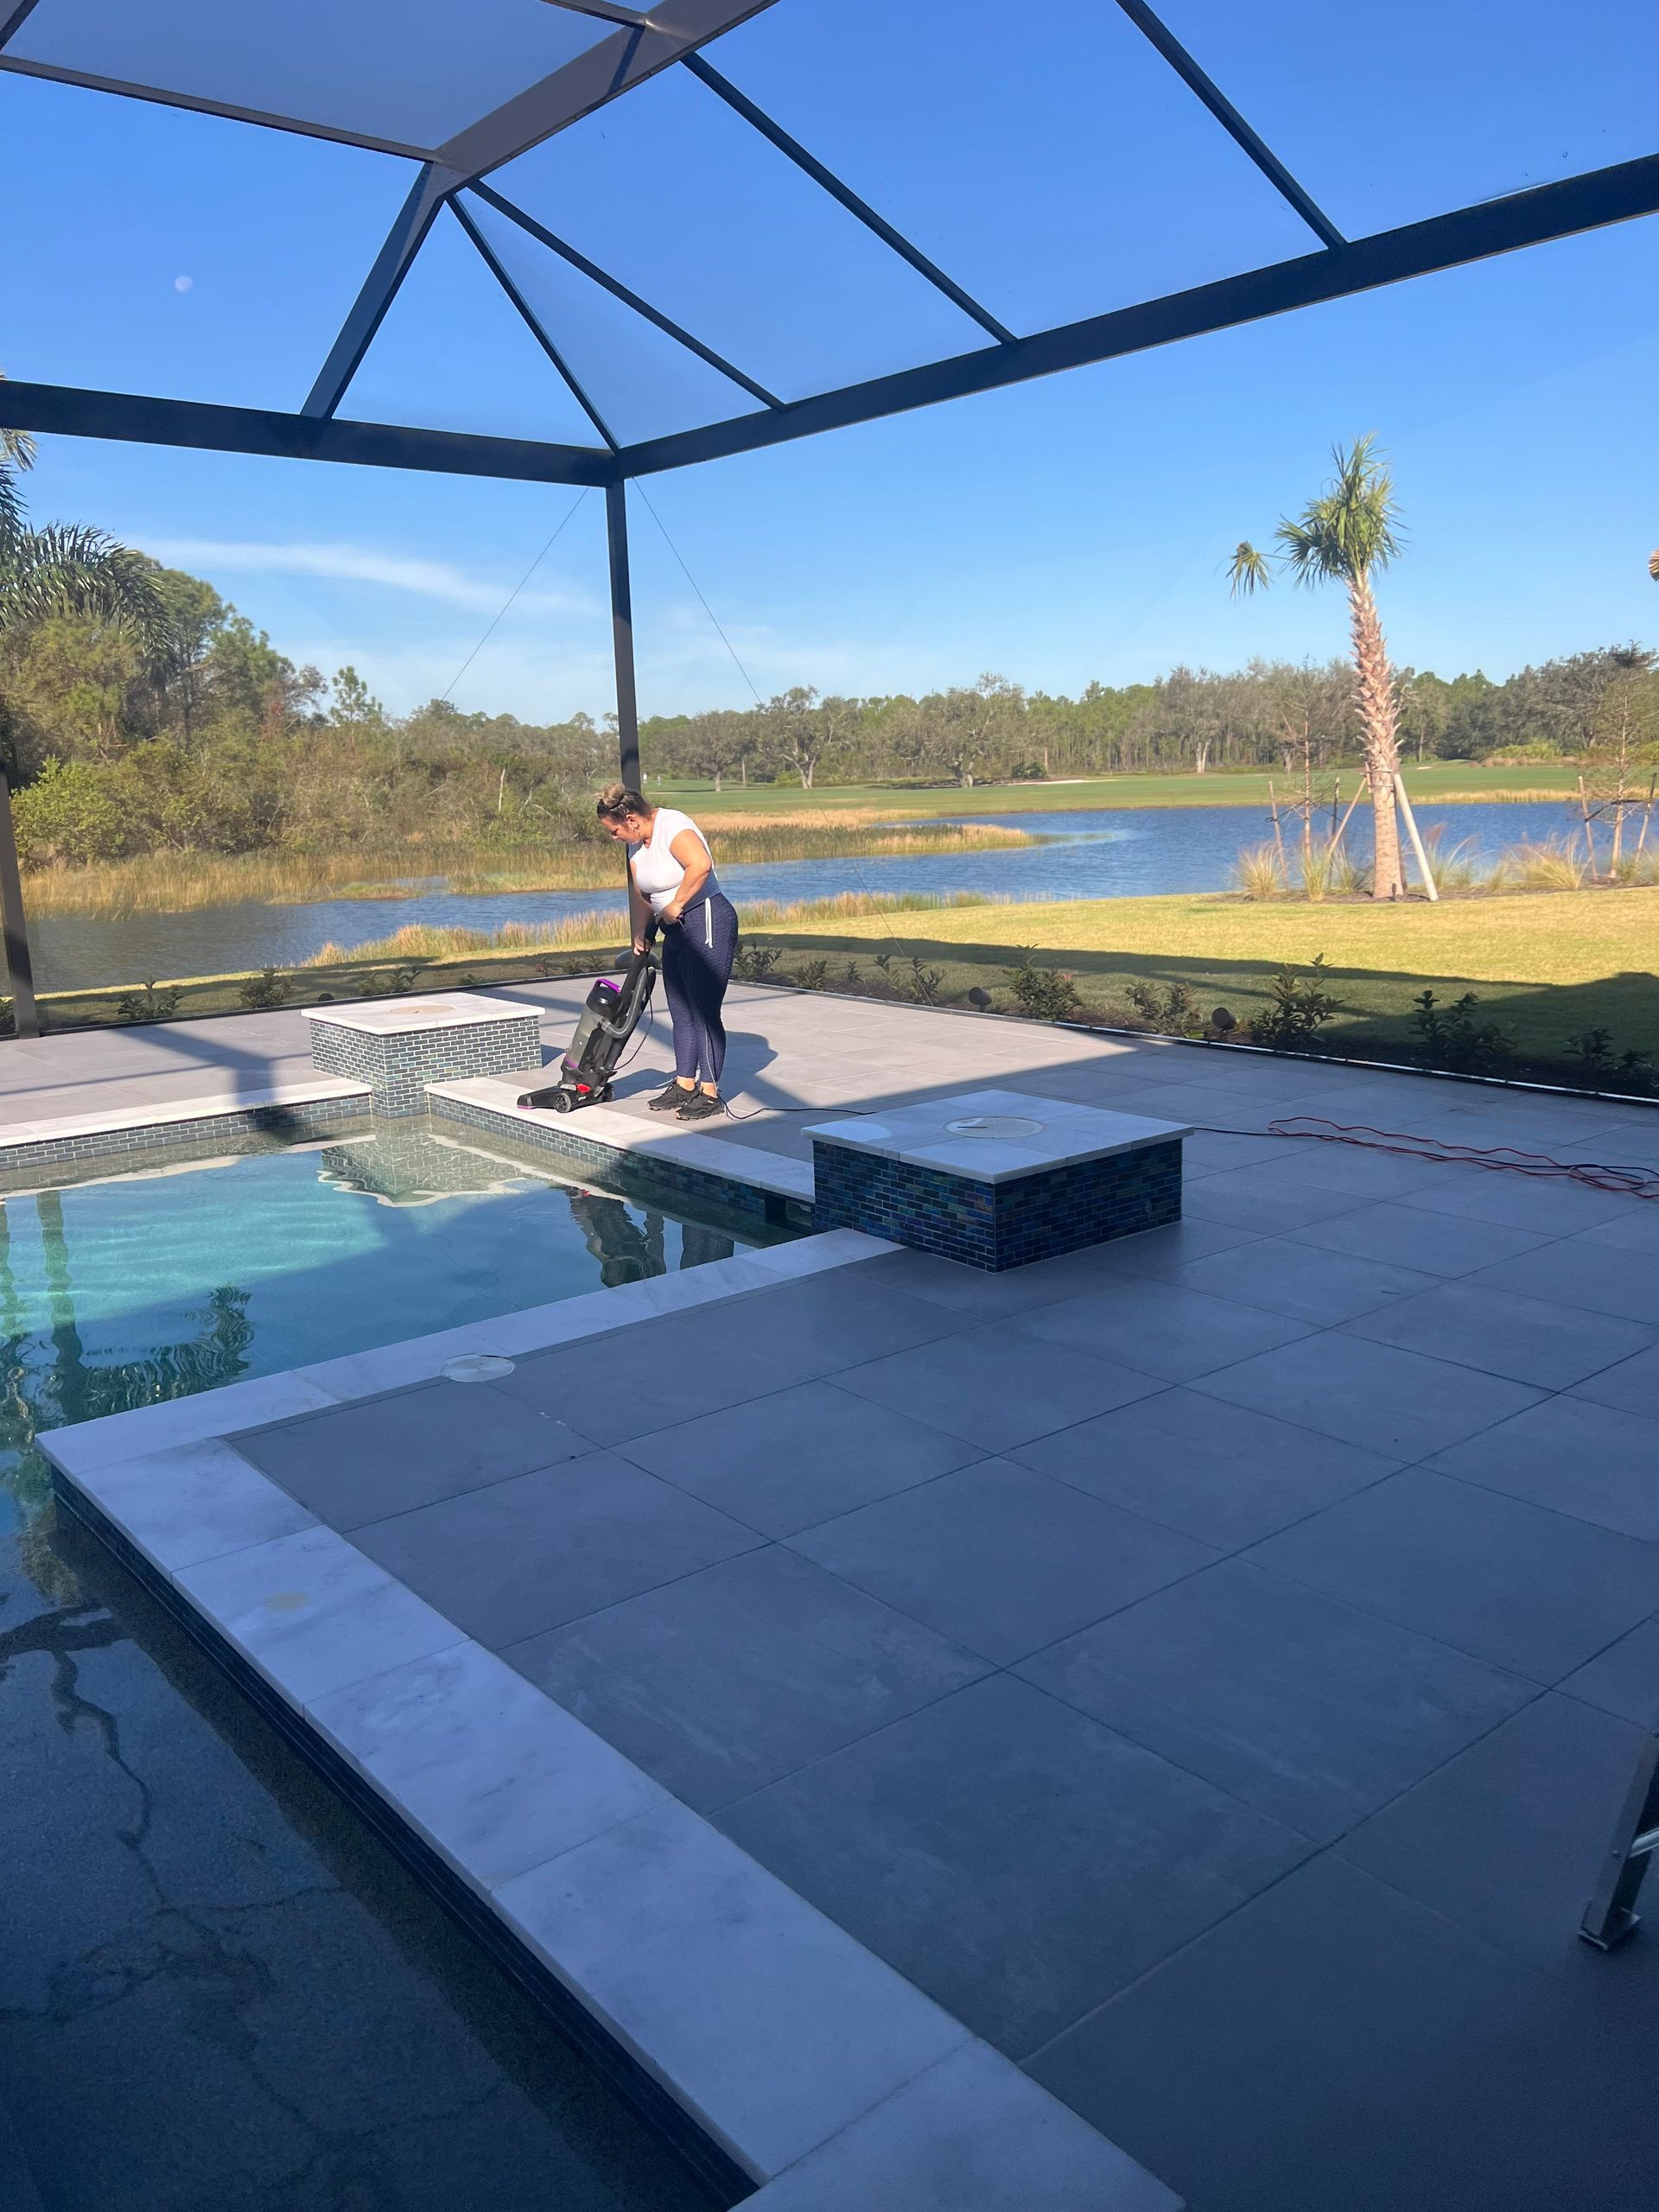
point(1069, 529)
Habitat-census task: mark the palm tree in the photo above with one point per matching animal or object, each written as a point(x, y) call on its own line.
point(1348, 535)
point(65, 568)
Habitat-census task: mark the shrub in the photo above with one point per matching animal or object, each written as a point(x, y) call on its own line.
point(1302, 1007)
point(268, 988)
point(756, 963)
point(813, 975)
point(150, 1002)
point(1044, 994)
point(1175, 1012)
point(1451, 1038)
point(1595, 1062)
point(67, 815)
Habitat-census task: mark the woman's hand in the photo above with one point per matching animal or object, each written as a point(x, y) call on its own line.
point(671, 913)
point(639, 944)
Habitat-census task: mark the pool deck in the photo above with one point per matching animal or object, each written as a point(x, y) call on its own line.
point(1140, 1727)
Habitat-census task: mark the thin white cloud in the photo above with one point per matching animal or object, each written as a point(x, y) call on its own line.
point(361, 564)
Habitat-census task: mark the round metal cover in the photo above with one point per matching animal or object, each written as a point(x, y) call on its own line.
point(477, 1367)
point(995, 1125)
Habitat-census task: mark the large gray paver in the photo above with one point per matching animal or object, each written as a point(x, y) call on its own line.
point(836, 1320)
point(1221, 1473)
point(1624, 1678)
point(1629, 1232)
point(1306, 1709)
point(979, 1296)
point(1411, 1236)
point(724, 1680)
point(999, 1558)
point(543, 1549)
point(1334, 2044)
point(1282, 1276)
point(1524, 1201)
point(1264, 1199)
point(1601, 1278)
point(1508, 1839)
point(1632, 1386)
point(972, 2134)
point(630, 1383)
point(1162, 1328)
point(798, 1457)
point(997, 1386)
point(1013, 1857)
point(1388, 1401)
point(382, 1456)
point(1590, 1460)
point(1527, 1589)
point(1529, 1339)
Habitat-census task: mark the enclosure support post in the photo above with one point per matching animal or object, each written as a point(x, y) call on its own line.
point(1611, 1914)
point(627, 707)
point(14, 923)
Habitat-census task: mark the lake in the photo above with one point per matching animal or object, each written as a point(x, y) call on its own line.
point(1102, 852)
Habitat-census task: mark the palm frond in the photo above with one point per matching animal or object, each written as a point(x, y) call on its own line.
point(1248, 571)
point(17, 446)
point(1353, 529)
point(71, 568)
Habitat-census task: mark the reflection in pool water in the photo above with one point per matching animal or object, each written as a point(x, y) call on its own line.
point(126, 1290)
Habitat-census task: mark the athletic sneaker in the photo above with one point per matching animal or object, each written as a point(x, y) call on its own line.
point(675, 1096)
point(699, 1107)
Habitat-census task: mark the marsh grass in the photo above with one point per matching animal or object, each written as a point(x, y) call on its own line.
point(1258, 873)
point(426, 942)
point(1557, 864)
point(178, 883)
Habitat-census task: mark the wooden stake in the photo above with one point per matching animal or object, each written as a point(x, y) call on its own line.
point(1423, 867)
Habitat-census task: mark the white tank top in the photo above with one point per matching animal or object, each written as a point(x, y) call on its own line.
point(657, 875)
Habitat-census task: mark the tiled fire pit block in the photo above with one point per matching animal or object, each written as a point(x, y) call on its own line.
point(997, 1178)
point(398, 1046)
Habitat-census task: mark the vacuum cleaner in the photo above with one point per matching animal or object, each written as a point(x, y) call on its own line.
point(610, 1017)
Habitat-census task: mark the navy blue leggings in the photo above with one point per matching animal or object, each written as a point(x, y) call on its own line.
point(697, 954)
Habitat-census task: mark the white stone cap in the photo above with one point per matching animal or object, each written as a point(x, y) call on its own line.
point(439, 1010)
point(997, 1136)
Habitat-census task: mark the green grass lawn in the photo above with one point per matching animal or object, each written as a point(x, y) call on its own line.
point(1546, 966)
point(1441, 779)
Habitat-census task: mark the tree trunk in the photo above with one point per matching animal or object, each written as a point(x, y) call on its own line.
point(1374, 696)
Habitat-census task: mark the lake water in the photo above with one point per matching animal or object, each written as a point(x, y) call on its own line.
point(1102, 853)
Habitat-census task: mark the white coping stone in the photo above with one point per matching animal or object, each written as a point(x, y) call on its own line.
point(921, 1137)
point(972, 2134)
point(313, 1614)
point(441, 1010)
point(740, 1163)
point(166, 1112)
point(94, 1444)
point(772, 2025)
point(194, 1503)
point(496, 1776)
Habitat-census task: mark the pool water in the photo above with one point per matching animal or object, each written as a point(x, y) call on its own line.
point(126, 1289)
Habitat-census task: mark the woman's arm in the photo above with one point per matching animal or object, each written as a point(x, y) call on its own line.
point(693, 856)
point(638, 912)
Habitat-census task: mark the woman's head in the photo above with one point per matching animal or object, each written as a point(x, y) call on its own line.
point(623, 814)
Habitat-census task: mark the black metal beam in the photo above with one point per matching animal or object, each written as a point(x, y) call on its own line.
point(1155, 29)
point(620, 291)
point(604, 10)
point(791, 149)
point(135, 418)
point(616, 65)
point(1550, 211)
point(14, 17)
point(380, 288)
point(14, 926)
point(56, 72)
point(627, 703)
point(532, 322)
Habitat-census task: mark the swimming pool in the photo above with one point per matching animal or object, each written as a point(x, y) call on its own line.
point(185, 1273)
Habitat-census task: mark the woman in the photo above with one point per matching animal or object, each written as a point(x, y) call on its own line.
point(672, 875)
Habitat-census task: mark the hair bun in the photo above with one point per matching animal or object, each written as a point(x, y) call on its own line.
point(618, 804)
